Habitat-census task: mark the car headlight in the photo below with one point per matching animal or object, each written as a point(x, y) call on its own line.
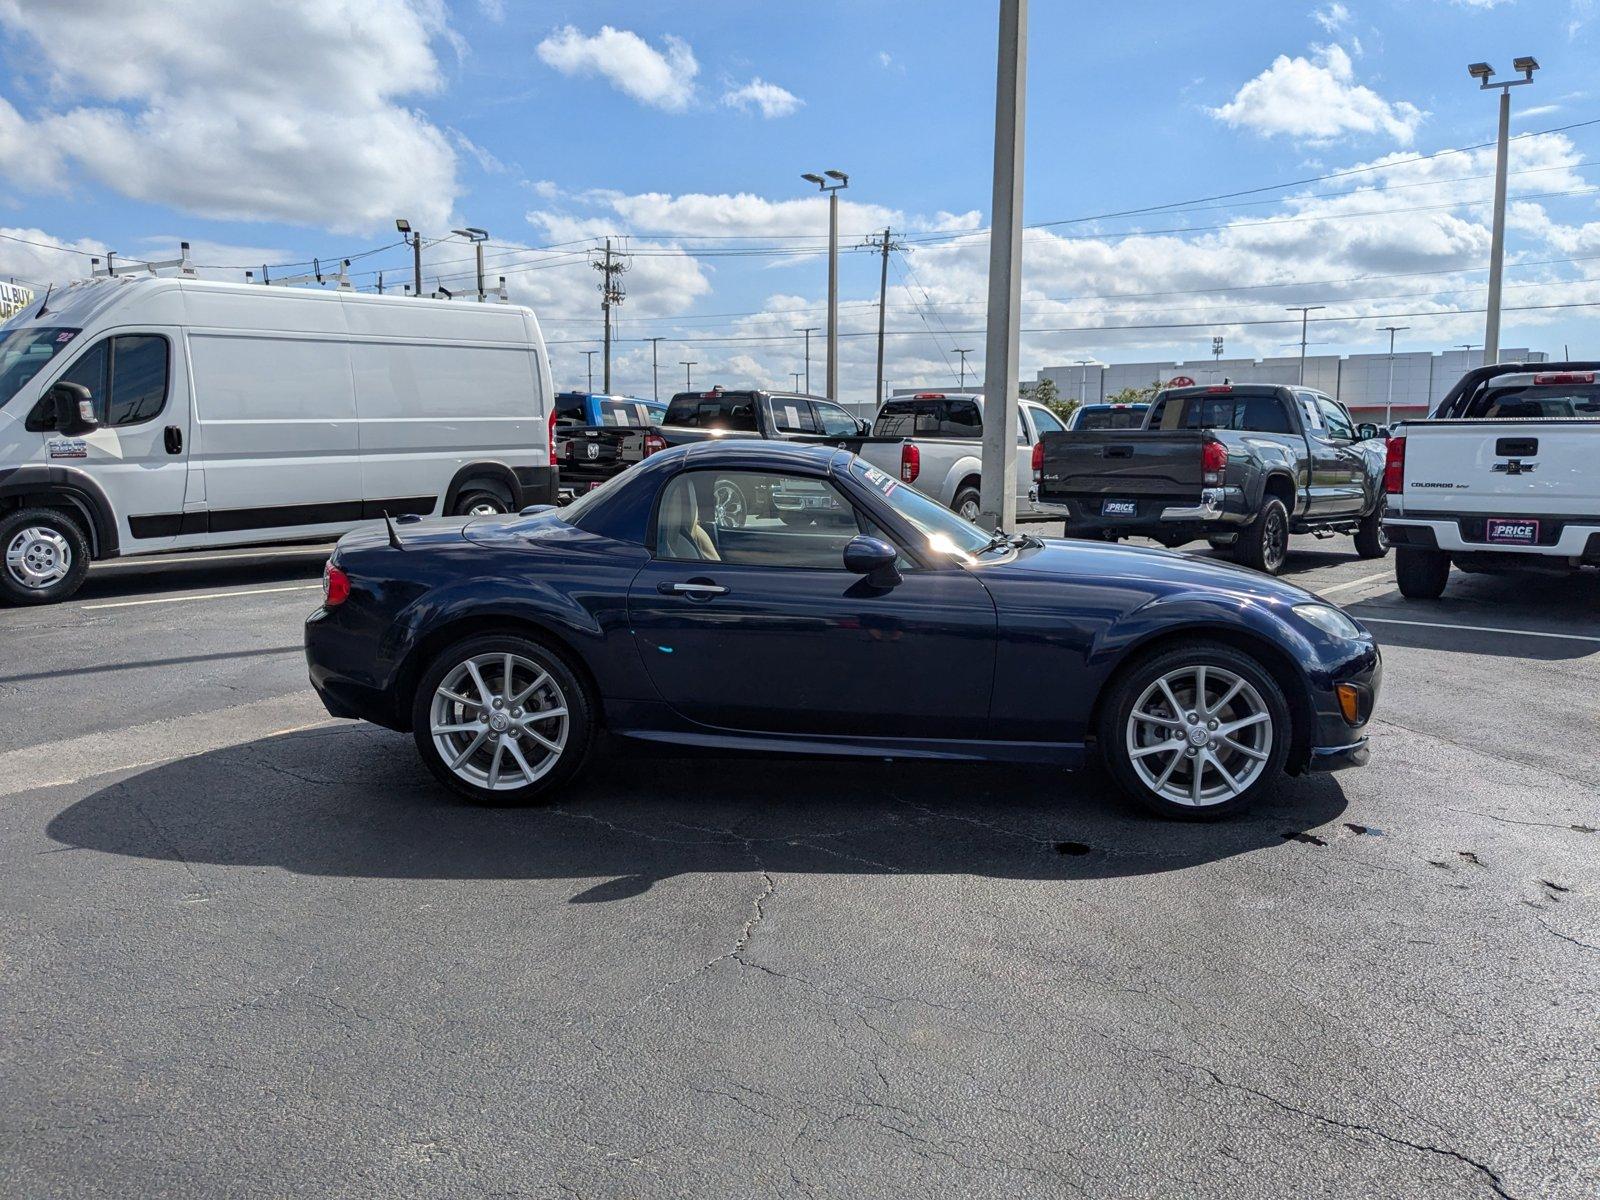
point(1328, 619)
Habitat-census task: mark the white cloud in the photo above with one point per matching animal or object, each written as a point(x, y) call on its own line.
point(1332, 17)
point(660, 78)
point(772, 100)
point(1317, 99)
point(236, 110)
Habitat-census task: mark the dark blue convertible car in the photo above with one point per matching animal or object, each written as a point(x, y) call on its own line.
point(840, 613)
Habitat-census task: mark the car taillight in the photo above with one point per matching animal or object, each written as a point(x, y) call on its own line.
point(1559, 377)
point(910, 463)
point(1213, 463)
point(550, 444)
point(653, 442)
point(335, 586)
point(1394, 466)
point(1038, 460)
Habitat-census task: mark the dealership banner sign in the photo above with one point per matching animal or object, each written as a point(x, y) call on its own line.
point(13, 299)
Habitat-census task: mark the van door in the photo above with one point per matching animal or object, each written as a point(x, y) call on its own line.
point(140, 454)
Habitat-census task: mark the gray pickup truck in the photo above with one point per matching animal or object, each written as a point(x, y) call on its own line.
point(1242, 466)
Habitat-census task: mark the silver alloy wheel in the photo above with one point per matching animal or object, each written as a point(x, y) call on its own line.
point(728, 499)
point(38, 557)
point(1199, 735)
point(969, 511)
point(499, 721)
point(485, 508)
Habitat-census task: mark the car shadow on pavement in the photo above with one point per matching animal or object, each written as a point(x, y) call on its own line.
point(130, 578)
point(354, 801)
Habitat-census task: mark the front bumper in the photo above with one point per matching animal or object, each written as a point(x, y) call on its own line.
point(1339, 758)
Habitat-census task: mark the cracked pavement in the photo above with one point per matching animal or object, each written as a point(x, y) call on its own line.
point(249, 951)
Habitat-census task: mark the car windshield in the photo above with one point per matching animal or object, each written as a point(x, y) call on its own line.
point(944, 531)
point(24, 352)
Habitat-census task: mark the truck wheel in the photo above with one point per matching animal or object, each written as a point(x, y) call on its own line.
point(1264, 544)
point(46, 556)
point(1371, 540)
point(482, 500)
point(967, 504)
point(1421, 574)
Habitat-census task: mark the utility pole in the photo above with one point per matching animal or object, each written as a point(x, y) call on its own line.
point(840, 180)
point(414, 240)
point(963, 354)
point(611, 294)
point(1388, 404)
point(1305, 311)
point(808, 331)
point(998, 496)
point(655, 371)
point(688, 374)
point(589, 359)
point(1483, 72)
point(1216, 349)
point(883, 245)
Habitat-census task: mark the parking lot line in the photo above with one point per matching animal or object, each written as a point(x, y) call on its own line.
point(1567, 637)
point(299, 587)
point(1354, 583)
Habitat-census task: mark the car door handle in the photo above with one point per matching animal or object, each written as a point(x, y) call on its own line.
point(173, 437)
point(695, 591)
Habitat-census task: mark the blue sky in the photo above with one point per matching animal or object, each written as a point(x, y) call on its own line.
point(271, 133)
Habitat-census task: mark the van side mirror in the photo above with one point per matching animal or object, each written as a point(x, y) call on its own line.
point(1366, 431)
point(73, 405)
point(874, 558)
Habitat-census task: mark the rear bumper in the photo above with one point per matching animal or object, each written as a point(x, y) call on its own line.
point(1218, 511)
point(1575, 538)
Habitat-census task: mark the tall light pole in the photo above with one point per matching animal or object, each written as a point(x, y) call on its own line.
point(1083, 378)
point(655, 375)
point(795, 375)
point(414, 240)
point(688, 373)
point(1482, 72)
point(963, 354)
point(997, 503)
point(477, 237)
point(589, 359)
point(840, 180)
point(808, 331)
point(1305, 311)
point(1388, 404)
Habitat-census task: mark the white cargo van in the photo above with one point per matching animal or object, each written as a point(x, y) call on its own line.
point(142, 414)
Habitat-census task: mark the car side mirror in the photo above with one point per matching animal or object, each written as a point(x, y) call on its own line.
point(874, 558)
point(1366, 431)
point(74, 409)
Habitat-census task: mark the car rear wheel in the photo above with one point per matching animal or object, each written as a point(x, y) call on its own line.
point(45, 556)
point(1195, 733)
point(968, 503)
point(1422, 574)
point(1264, 544)
point(501, 719)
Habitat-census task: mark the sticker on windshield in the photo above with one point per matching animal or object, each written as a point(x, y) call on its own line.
point(883, 482)
point(71, 448)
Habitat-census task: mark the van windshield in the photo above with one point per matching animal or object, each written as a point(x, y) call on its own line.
point(23, 354)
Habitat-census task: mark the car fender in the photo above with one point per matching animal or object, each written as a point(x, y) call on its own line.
point(968, 465)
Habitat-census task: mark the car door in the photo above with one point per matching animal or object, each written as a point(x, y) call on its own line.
point(140, 452)
point(1348, 473)
point(759, 627)
point(833, 421)
point(1325, 467)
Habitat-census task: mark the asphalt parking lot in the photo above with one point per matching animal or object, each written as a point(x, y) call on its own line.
point(248, 950)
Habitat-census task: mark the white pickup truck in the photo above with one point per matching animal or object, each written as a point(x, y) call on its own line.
point(940, 451)
point(1505, 476)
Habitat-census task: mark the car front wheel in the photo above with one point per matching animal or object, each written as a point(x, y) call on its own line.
point(46, 556)
point(501, 719)
point(1195, 733)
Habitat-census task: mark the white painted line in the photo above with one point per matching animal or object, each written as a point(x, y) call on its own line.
point(1354, 583)
point(161, 560)
point(305, 587)
point(1563, 637)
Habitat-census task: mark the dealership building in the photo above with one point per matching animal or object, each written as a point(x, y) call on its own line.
point(1360, 381)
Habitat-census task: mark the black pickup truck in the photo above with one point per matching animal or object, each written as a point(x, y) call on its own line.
point(1240, 465)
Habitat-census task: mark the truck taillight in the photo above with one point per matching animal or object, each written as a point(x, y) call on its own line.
point(550, 443)
point(1038, 460)
point(335, 586)
point(653, 442)
point(1561, 377)
point(910, 463)
point(1213, 463)
point(1394, 466)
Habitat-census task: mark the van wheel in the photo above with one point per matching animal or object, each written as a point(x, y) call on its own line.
point(967, 504)
point(482, 500)
point(46, 556)
point(501, 719)
point(1371, 540)
point(1264, 543)
point(1422, 574)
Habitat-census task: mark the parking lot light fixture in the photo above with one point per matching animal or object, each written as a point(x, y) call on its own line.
point(1525, 65)
point(413, 239)
point(477, 237)
point(840, 180)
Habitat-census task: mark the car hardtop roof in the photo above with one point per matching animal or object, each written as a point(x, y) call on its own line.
point(755, 454)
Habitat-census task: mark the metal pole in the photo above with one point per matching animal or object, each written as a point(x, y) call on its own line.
point(589, 359)
point(833, 295)
point(1497, 246)
point(416, 262)
point(478, 246)
point(655, 373)
point(808, 331)
point(1388, 404)
point(963, 354)
point(998, 493)
point(883, 299)
point(795, 375)
point(1305, 311)
point(605, 304)
point(688, 375)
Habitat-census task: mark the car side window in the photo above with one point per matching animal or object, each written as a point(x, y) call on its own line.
point(127, 376)
point(88, 371)
point(792, 415)
point(834, 420)
point(1335, 419)
point(961, 419)
point(1045, 421)
point(907, 418)
point(757, 519)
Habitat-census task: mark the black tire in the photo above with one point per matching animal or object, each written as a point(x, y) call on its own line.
point(1263, 544)
point(1132, 683)
point(566, 688)
point(1371, 540)
point(482, 499)
point(51, 556)
point(968, 497)
point(1422, 574)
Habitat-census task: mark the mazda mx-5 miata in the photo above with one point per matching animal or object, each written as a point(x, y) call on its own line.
point(783, 599)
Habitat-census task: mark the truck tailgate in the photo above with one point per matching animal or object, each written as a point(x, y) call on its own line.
point(1156, 464)
point(1515, 467)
